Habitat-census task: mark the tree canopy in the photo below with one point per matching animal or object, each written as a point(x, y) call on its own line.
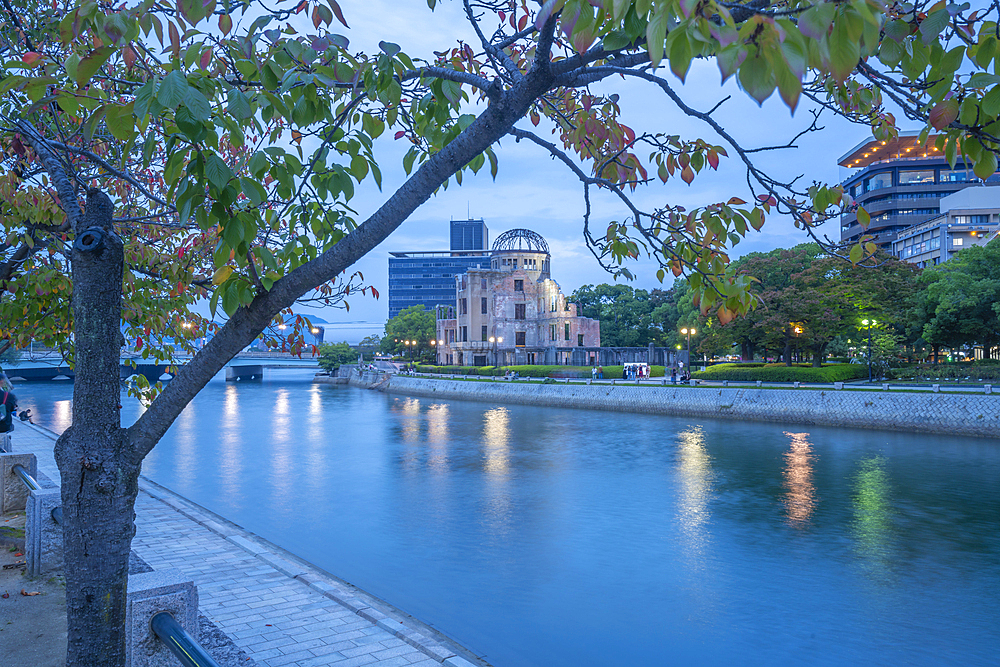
point(413, 324)
point(157, 153)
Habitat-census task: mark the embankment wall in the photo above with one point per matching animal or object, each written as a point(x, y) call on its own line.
point(956, 414)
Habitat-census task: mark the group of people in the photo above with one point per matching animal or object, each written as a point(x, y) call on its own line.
point(635, 371)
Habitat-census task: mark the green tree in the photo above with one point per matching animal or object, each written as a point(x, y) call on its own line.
point(332, 355)
point(413, 324)
point(959, 303)
point(156, 153)
point(625, 314)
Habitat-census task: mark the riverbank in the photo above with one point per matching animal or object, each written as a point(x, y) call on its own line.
point(276, 609)
point(936, 413)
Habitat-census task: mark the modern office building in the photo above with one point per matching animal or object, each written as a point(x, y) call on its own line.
point(899, 183)
point(969, 217)
point(511, 312)
point(428, 277)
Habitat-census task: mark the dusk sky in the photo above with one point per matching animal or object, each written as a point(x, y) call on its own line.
point(534, 192)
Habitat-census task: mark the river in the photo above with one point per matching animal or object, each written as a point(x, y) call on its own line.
point(553, 537)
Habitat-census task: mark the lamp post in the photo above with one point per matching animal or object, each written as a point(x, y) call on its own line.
point(689, 332)
point(407, 343)
point(434, 347)
point(869, 324)
point(494, 340)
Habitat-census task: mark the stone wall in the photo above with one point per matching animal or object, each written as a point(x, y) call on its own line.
point(957, 414)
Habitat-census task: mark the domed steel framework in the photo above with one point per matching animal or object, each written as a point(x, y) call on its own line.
point(520, 240)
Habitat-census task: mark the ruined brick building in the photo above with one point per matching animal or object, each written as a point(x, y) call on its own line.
point(513, 313)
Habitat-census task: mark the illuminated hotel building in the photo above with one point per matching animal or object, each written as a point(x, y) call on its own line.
point(900, 183)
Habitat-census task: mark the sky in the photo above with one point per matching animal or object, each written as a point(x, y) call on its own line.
point(534, 192)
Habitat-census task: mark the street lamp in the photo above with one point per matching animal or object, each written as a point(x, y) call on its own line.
point(407, 343)
point(434, 347)
point(869, 324)
point(689, 332)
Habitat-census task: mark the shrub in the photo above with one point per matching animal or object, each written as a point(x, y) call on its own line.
point(782, 373)
point(531, 371)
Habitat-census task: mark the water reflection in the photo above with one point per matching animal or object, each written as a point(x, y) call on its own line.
point(281, 446)
point(437, 437)
point(696, 488)
point(496, 439)
point(230, 437)
point(800, 493)
point(872, 524)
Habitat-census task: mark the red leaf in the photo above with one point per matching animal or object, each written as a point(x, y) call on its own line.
point(400, 134)
point(687, 174)
point(336, 10)
point(130, 56)
point(317, 19)
point(225, 24)
point(206, 58)
point(31, 58)
point(943, 114)
point(138, 343)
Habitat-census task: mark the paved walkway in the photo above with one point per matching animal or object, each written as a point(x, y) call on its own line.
point(277, 608)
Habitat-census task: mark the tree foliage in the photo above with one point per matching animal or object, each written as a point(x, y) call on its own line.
point(333, 355)
point(206, 150)
point(413, 324)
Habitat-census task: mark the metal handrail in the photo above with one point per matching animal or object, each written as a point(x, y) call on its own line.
point(181, 644)
point(33, 485)
point(26, 477)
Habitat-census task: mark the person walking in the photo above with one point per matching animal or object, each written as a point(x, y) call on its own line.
point(600, 372)
point(673, 375)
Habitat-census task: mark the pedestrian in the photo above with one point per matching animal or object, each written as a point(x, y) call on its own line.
point(8, 408)
point(600, 372)
point(625, 372)
point(673, 375)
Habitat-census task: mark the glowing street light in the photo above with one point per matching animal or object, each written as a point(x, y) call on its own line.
point(689, 332)
point(869, 324)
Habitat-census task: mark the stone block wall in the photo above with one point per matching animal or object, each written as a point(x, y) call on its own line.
point(957, 414)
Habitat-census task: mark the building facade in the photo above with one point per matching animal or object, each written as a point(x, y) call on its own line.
point(900, 183)
point(427, 278)
point(968, 218)
point(511, 312)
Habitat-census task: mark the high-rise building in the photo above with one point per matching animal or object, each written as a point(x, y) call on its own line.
point(428, 277)
point(469, 235)
point(900, 183)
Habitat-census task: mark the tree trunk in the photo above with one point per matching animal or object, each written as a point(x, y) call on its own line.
point(935, 349)
point(788, 350)
point(818, 351)
point(99, 476)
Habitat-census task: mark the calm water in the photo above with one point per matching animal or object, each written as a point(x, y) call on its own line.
point(540, 536)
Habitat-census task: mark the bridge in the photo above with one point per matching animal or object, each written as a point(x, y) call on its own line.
point(239, 369)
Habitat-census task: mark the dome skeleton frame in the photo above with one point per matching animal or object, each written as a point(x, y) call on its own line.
point(520, 240)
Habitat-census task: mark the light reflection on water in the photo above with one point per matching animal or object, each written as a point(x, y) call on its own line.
point(559, 537)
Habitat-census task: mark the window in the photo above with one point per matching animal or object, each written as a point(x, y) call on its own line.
point(878, 181)
point(567, 331)
point(972, 219)
point(552, 332)
point(519, 338)
point(956, 241)
point(915, 177)
point(464, 303)
point(553, 308)
point(954, 176)
point(482, 285)
point(579, 340)
point(482, 304)
point(465, 334)
point(451, 335)
point(519, 309)
point(485, 337)
point(518, 285)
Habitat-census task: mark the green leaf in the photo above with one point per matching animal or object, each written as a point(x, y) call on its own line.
point(217, 171)
point(656, 34)
point(983, 79)
point(143, 97)
point(844, 52)
point(986, 165)
point(757, 78)
point(120, 121)
point(173, 90)
point(198, 104)
point(864, 219)
point(815, 23)
point(932, 26)
point(258, 164)
point(253, 190)
point(990, 103)
point(91, 63)
point(239, 105)
point(857, 252)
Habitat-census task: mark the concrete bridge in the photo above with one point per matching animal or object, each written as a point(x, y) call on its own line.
point(239, 369)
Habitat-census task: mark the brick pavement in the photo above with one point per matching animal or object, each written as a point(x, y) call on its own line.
point(277, 608)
